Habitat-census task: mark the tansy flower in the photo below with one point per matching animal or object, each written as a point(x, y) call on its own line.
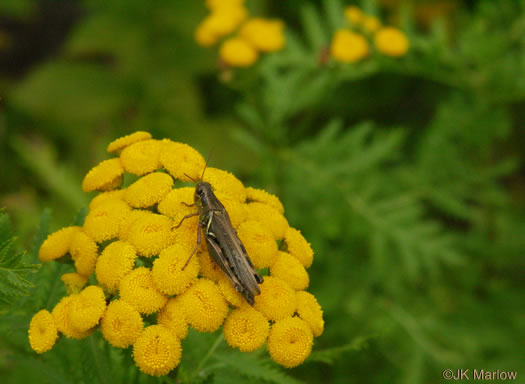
point(354, 15)
point(87, 308)
point(101, 197)
point(348, 46)
point(42, 332)
point(150, 234)
point(141, 157)
point(225, 19)
point(180, 160)
point(104, 222)
point(138, 289)
point(57, 244)
point(289, 269)
point(157, 350)
point(175, 205)
point(133, 216)
point(290, 342)
point(61, 315)
point(148, 190)
point(259, 243)
point(74, 282)
point(298, 247)
point(391, 42)
point(246, 329)
point(173, 317)
point(168, 273)
point(264, 35)
point(115, 262)
point(121, 324)
point(122, 142)
point(208, 268)
point(371, 23)
point(204, 306)
point(269, 217)
point(310, 311)
point(229, 292)
point(261, 196)
point(277, 299)
point(84, 251)
point(237, 52)
point(237, 211)
point(105, 176)
point(225, 184)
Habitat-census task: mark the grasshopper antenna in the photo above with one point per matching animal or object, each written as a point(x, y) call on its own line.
point(191, 178)
point(206, 164)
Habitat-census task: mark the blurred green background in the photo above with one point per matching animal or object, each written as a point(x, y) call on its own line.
point(406, 175)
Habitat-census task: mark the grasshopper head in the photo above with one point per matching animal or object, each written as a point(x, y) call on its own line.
point(202, 193)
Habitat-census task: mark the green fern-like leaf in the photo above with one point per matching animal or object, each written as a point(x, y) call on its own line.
point(330, 355)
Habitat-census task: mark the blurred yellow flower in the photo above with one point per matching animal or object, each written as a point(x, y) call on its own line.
point(61, 314)
point(180, 160)
point(265, 35)
point(259, 243)
point(225, 19)
point(289, 269)
point(348, 46)
point(225, 183)
point(261, 196)
point(269, 217)
point(150, 234)
point(148, 190)
point(214, 4)
point(204, 34)
point(104, 222)
point(157, 350)
point(138, 289)
point(277, 299)
point(246, 329)
point(115, 262)
point(173, 317)
point(371, 23)
point(84, 251)
point(105, 176)
point(101, 197)
point(57, 244)
point(87, 308)
point(298, 247)
point(310, 311)
point(290, 342)
point(391, 42)
point(42, 332)
point(121, 324)
point(122, 142)
point(141, 157)
point(74, 282)
point(354, 14)
point(237, 52)
point(204, 306)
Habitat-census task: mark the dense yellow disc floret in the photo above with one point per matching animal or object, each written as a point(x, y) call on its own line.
point(141, 157)
point(269, 217)
point(261, 196)
point(42, 332)
point(354, 14)
point(290, 342)
point(289, 269)
point(310, 311)
point(84, 251)
point(229, 292)
point(391, 42)
point(104, 222)
point(225, 183)
point(175, 203)
point(298, 247)
point(148, 190)
point(115, 262)
point(208, 268)
point(204, 306)
point(264, 35)
point(74, 282)
point(277, 299)
point(61, 314)
point(87, 308)
point(348, 46)
point(117, 194)
point(157, 350)
point(150, 234)
point(180, 160)
point(237, 52)
point(138, 289)
point(259, 243)
point(105, 176)
point(173, 317)
point(133, 216)
point(237, 211)
point(371, 23)
point(246, 329)
point(168, 273)
point(57, 244)
point(121, 324)
point(122, 142)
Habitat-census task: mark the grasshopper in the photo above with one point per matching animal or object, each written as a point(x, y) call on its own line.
point(224, 245)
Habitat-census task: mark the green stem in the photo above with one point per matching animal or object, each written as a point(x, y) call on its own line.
point(210, 353)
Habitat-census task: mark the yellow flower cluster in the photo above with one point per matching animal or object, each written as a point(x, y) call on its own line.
point(350, 45)
point(254, 35)
point(130, 260)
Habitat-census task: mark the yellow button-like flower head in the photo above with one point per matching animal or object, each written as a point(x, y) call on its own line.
point(150, 234)
point(259, 243)
point(84, 251)
point(354, 14)
point(261, 196)
point(310, 311)
point(208, 268)
point(157, 350)
point(204, 34)
point(237, 211)
point(101, 197)
point(348, 46)
point(225, 184)
point(74, 282)
point(148, 190)
point(180, 160)
point(173, 317)
point(42, 332)
point(246, 329)
point(115, 262)
point(119, 144)
point(175, 205)
point(237, 52)
point(298, 247)
point(61, 314)
point(277, 299)
point(269, 217)
point(141, 157)
point(371, 23)
point(204, 306)
point(57, 244)
point(121, 324)
point(225, 19)
point(168, 273)
point(133, 216)
point(103, 177)
point(391, 42)
point(290, 342)
point(264, 35)
point(87, 308)
point(104, 222)
point(139, 290)
point(289, 269)
point(229, 292)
